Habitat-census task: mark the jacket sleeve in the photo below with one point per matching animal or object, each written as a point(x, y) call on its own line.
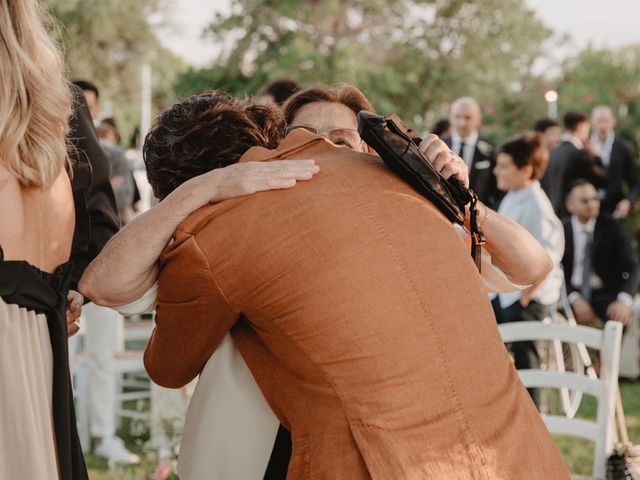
point(192, 316)
point(96, 215)
point(628, 260)
point(630, 170)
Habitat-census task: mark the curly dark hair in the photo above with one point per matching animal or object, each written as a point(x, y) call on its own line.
point(203, 132)
point(527, 149)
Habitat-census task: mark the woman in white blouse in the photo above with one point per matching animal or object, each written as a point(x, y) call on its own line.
point(520, 163)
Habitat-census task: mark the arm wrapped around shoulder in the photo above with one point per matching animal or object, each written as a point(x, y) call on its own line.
point(192, 315)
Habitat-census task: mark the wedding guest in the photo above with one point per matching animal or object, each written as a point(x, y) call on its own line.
point(92, 96)
point(478, 153)
point(296, 269)
point(280, 90)
point(600, 266)
point(574, 158)
point(38, 435)
point(103, 325)
point(618, 159)
point(121, 178)
point(520, 164)
point(550, 131)
point(333, 113)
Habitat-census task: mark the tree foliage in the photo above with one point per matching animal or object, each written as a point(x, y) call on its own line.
point(604, 76)
point(106, 42)
point(409, 56)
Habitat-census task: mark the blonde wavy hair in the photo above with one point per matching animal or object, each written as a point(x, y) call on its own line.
point(35, 99)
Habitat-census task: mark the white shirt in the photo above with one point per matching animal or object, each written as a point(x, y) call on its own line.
point(604, 147)
point(469, 146)
point(531, 208)
point(580, 231)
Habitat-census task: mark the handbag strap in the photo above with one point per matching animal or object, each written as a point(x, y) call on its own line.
point(477, 235)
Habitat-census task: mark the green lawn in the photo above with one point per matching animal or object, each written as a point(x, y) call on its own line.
point(577, 453)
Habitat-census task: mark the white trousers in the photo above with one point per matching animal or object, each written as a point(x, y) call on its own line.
point(104, 336)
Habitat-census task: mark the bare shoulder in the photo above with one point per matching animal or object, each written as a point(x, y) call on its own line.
point(11, 209)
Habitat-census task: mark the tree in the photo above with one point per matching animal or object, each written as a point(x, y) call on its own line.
point(604, 76)
point(107, 41)
point(410, 56)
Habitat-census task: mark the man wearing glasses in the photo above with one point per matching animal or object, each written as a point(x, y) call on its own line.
point(600, 268)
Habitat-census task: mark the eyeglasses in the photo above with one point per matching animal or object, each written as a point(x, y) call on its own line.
point(588, 200)
point(340, 136)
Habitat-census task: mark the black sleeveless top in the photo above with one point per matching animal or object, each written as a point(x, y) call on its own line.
point(29, 287)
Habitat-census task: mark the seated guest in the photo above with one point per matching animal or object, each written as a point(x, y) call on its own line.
point(520, 164)
point(335, 293)
point(600, 268)
point(550, 131)
point(574, 158)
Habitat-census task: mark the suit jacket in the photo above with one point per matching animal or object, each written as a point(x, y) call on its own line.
point(613, 258)
point(96, 214)
point(481, 177)
point(621, 169)
point(363, 320)
point(567, 164)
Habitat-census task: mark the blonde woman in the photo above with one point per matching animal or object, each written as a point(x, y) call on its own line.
point(38, 437)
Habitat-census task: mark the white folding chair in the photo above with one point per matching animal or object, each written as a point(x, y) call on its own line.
point(607, 342)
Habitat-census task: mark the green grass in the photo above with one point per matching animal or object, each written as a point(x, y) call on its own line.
point(577, 453)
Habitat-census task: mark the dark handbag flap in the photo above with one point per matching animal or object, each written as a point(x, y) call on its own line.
point(394, 142)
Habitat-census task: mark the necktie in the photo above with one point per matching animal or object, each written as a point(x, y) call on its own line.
point(461, 151)
point(585, 288)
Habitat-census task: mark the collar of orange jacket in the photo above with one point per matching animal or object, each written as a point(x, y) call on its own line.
point(298, 139)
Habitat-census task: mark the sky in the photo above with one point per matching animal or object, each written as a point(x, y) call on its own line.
point(603, 23)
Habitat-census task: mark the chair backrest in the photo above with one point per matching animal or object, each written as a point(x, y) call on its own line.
point(604, 388)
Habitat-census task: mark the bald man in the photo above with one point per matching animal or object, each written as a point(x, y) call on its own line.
point(617, 158)
point(478, 153)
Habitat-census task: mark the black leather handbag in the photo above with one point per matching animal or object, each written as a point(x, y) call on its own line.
point(398, 148)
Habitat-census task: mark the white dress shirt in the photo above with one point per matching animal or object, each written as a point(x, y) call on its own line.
point(580, 232)
point(469, 146)
point(604, 147)
point(531, 208)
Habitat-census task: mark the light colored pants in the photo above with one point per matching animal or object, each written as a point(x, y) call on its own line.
point(104, 336)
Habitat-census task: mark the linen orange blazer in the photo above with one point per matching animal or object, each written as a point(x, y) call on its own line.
point(364, 321)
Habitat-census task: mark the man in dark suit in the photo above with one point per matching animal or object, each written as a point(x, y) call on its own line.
point(478, 154)
point(600, 268)
point(575, 158)
point(96, 214)
point(617, 158)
